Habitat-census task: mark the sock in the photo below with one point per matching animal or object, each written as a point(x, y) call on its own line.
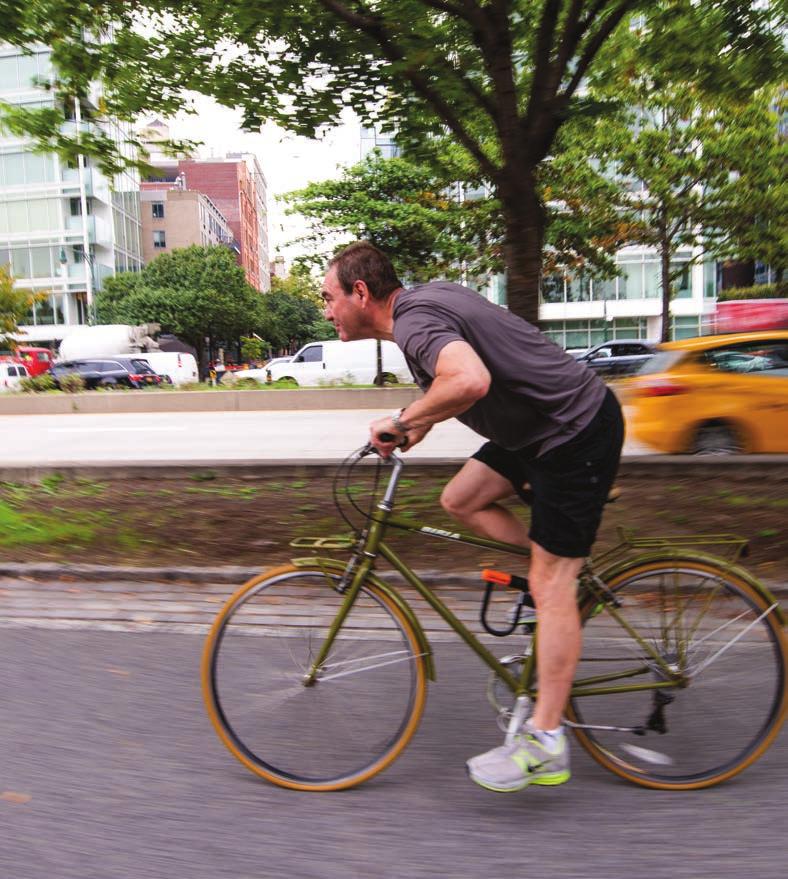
point(550, 738)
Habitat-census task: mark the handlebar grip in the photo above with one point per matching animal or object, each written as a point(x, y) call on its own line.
point(388, 437)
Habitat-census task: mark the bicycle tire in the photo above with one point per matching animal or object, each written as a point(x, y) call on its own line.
point(727, 716)
point(350, 724)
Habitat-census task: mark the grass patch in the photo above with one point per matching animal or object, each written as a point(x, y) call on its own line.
point(26, 529)
point(242, 492)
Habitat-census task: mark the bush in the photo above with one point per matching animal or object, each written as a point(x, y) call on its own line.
point(247, 383)
point(759, 291)
point(72, 383)
point(37, 383)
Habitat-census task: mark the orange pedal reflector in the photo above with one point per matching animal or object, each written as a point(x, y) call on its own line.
point(490, 576)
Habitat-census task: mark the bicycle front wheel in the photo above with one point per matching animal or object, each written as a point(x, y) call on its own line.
point(346, 725)
point(707, 630)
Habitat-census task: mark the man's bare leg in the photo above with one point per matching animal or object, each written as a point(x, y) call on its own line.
point(553, 582)
point(472, 498)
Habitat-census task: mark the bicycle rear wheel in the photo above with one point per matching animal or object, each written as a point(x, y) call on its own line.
point(359, 713)
point(724, 641)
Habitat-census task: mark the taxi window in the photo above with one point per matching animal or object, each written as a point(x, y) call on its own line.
point(763, 357)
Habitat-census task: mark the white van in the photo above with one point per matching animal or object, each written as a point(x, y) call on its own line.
point(336, 363)
point(179, 366)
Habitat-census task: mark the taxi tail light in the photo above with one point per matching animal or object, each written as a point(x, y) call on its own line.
point(661, 388)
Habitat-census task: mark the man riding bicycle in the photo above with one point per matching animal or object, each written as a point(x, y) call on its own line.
point(555, 434)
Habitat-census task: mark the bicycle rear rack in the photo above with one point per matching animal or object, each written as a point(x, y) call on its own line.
point(730, 547)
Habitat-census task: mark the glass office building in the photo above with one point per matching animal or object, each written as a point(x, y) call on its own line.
point(64, 228)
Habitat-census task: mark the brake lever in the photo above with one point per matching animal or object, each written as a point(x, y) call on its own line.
point(369, 448)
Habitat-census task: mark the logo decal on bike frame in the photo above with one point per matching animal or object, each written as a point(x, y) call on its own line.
point(453, 534)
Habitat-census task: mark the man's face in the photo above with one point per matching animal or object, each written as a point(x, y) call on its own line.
point(344, 310)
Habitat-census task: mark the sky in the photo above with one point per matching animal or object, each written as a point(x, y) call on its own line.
point(288, 162)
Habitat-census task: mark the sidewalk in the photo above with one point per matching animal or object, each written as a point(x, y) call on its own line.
point(187, 600)
point(172, 605)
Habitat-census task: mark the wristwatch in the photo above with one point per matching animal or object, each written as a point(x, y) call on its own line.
point(400, 425)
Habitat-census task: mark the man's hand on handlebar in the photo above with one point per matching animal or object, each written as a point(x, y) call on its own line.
point(385, 437)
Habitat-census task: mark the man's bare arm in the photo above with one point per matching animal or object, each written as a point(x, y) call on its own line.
point(461, 378)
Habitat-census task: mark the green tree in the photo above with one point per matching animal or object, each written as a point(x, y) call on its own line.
point(500, 77)
point(253, 349)
point(694, 171)
point(15, 305)
point(748, 219)
point(198, 293)
point(293, 309)
point(410, 211)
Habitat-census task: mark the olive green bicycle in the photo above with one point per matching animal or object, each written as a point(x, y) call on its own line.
point(315, 673)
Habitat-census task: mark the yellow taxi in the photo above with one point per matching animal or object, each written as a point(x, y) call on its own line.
point(713, 395)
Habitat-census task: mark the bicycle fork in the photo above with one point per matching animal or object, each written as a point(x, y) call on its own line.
point(361, 572)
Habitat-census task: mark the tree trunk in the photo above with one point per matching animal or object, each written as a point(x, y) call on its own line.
point(524, 216)
point(664, 259)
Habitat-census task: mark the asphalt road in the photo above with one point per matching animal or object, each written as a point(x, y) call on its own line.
point(110, 770)
point(211, 436)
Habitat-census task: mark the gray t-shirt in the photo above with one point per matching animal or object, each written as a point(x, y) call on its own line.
point(539, 394)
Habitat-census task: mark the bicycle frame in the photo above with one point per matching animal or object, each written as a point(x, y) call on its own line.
point(371, 545)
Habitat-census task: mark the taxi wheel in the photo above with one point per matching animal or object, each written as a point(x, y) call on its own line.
point(717, 439)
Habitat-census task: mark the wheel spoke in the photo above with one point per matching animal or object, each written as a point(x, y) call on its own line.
point(274, 710)
point(696, 617)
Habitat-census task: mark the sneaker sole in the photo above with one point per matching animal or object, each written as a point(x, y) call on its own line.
point(547, 780)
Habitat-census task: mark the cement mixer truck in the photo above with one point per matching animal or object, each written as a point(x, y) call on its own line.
point(107, 339)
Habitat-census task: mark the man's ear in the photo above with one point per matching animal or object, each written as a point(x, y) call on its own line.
point(361, 290)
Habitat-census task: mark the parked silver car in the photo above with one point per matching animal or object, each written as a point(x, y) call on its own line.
point(617, 356)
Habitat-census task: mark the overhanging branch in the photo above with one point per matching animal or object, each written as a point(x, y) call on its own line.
point(595, 44)
point(374, 28)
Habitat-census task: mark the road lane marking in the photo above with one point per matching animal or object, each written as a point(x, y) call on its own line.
point(111, 429)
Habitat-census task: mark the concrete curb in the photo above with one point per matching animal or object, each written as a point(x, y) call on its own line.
point(231, 574)
point(734, 468)
point(105, 402)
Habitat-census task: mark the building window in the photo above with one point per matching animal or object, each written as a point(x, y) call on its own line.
point(159, 239)
point(157, 209)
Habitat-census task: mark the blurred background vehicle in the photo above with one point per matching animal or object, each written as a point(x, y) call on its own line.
point(118, 372)
point(746, 315)
point(175, 367)
point(258, 374)
point(11, 374)
point(37, 360)
point(713, 395)
point(337, 362)
point(617, 356)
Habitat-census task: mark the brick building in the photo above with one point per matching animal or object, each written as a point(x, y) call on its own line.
point(236, 186)
point(174, 218)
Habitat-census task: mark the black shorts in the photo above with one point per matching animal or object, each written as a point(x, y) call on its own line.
point(568, 485)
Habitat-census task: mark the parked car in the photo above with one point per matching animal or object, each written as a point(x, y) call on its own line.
point(258, 374)
point(618, 356)
point(714, 395)
point(128, 372)
point(11, 375)
point(333, 362)
point(175, 367)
